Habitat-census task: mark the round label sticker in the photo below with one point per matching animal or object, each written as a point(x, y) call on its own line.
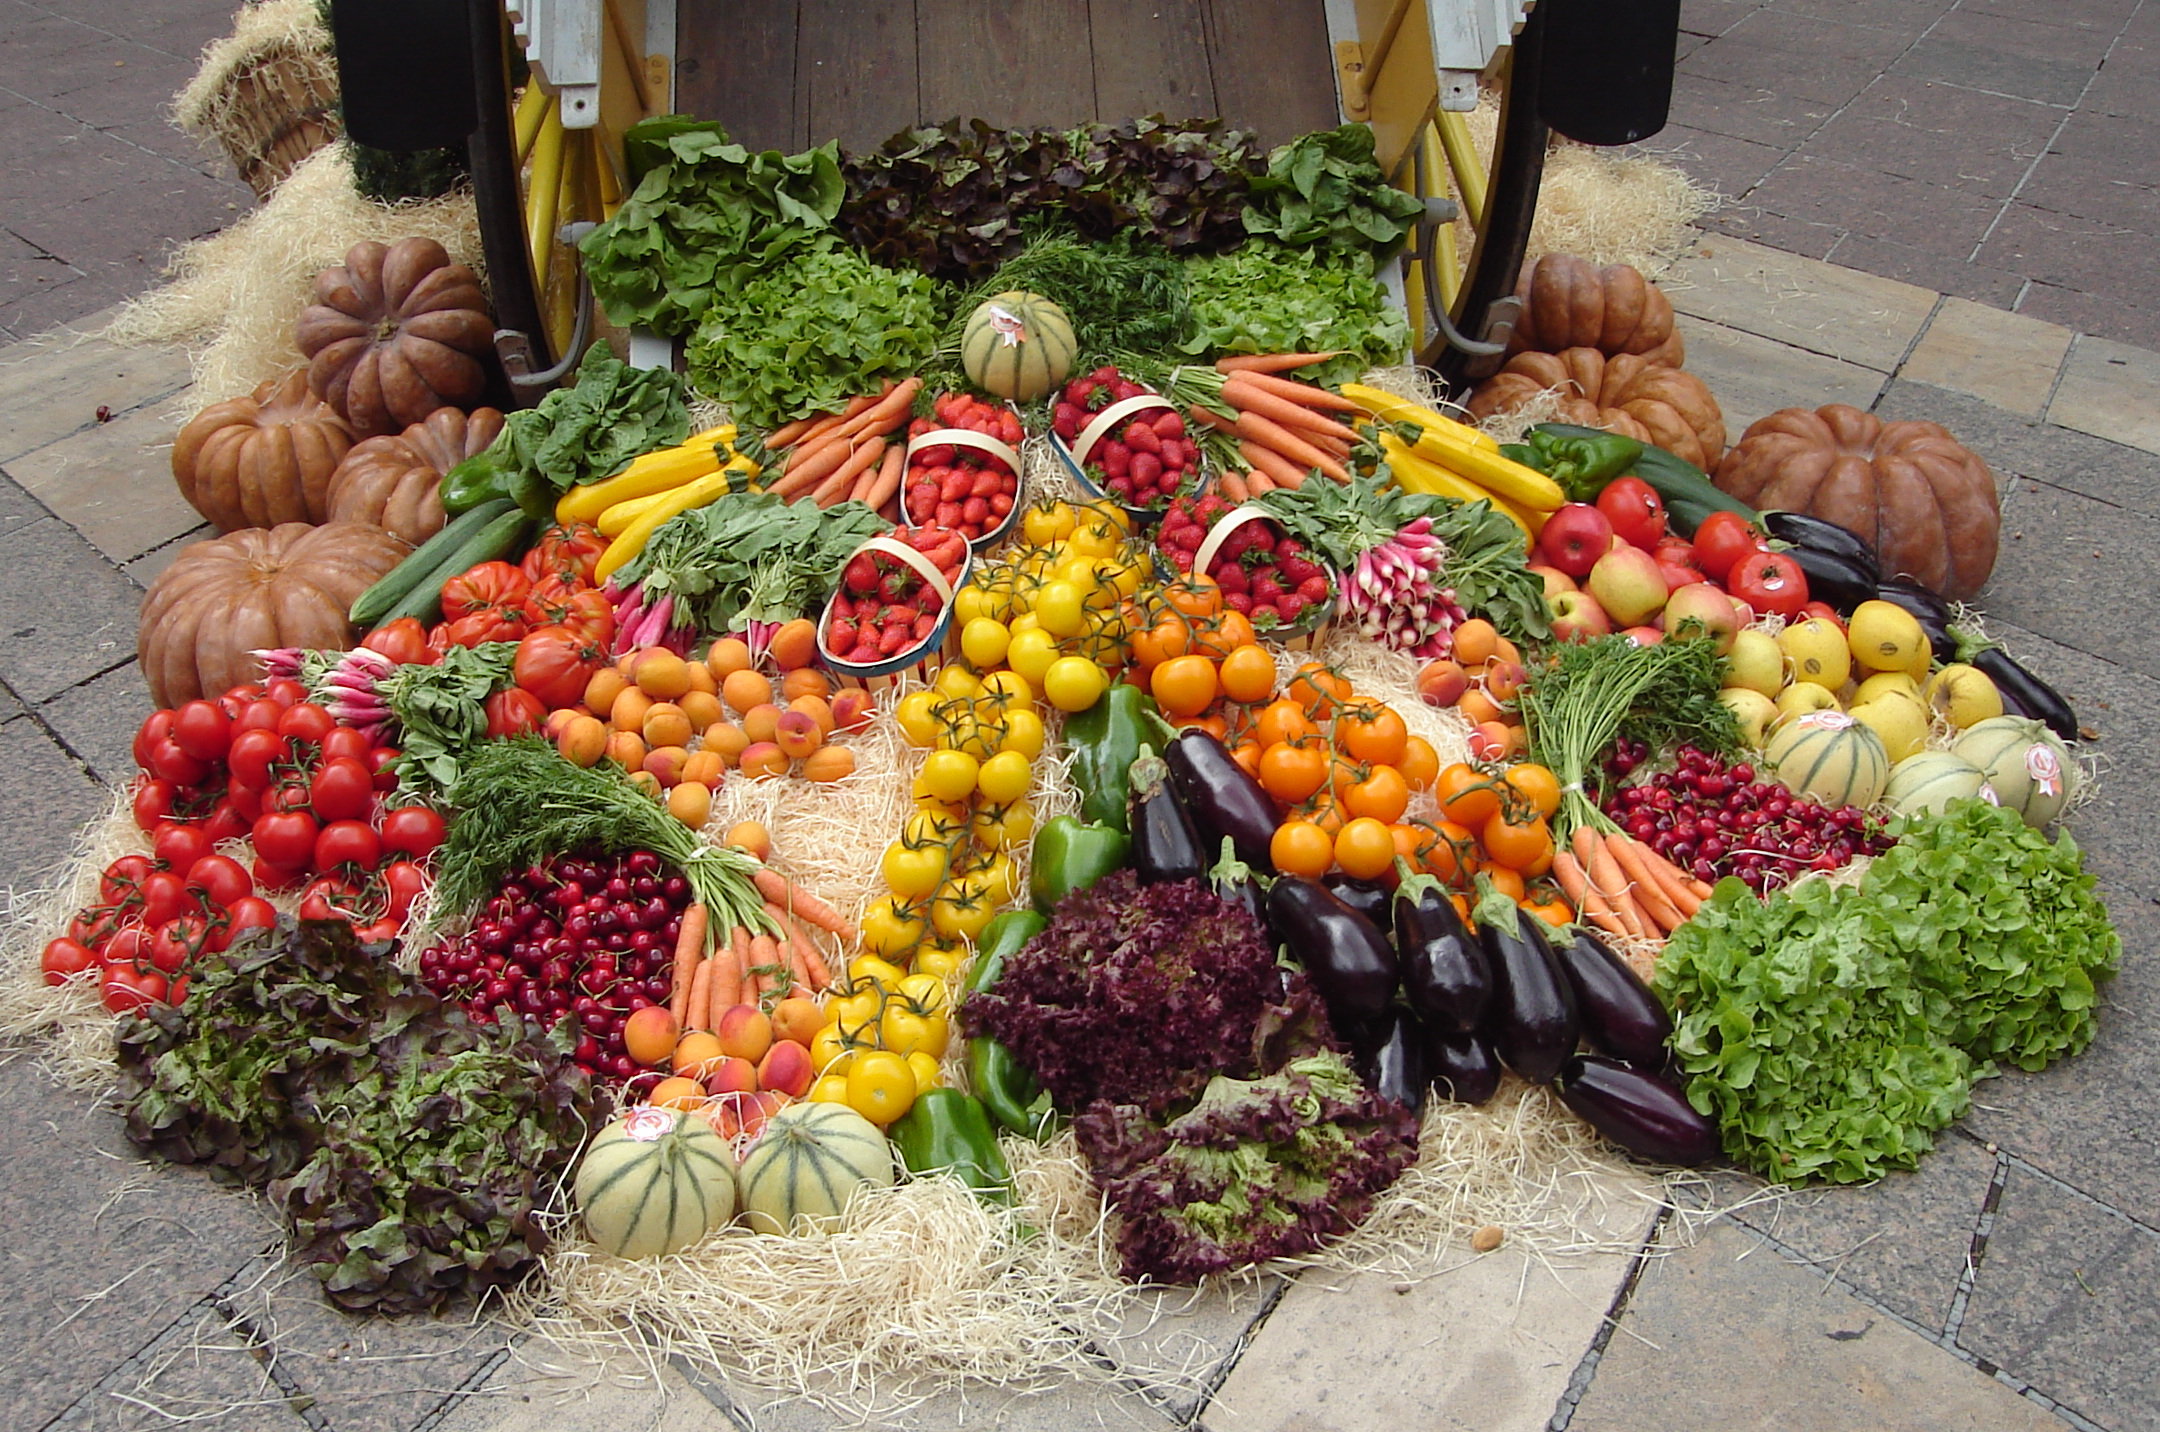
point(1008, 326)
point(648, 1122)
point(2045, 767)
point(1827, 720)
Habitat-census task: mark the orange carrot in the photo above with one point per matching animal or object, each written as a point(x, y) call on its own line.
point(700, 1012)
point(812, 469)
point(689, 953)
point(816, 971)
point(1271, 362)
point(863, 459)
point(1250, 398)
point(1257, 482)
point(787, 433)
point(889, 470)
point(1271, 464)
point(1264, 430)
point(1335, 448)
point(815, 428)
point(1646, 890)
point(1607, 879)
point(765, 963)
point(1700, 889)
point(1576, 886)
point(883, 415)
point(790, 942)
point(801, 903)
point(728, 982)
point(1212, 418)
point(887, 487)
point(1311, 395)
point(1672, 881)
point(1233, 487)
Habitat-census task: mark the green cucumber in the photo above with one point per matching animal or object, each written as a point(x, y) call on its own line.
point(505, 534)
point(398, 583)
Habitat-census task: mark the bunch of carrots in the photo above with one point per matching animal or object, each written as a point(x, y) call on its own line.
point(1285, 428)
point(1624, 887)
point(852, 454)
point(747, 966)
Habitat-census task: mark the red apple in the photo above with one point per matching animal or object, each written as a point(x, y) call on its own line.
point(1703, 609)
point(1644, 635)
point(1628, 585)
point(1574, 538)
point(1578, 617)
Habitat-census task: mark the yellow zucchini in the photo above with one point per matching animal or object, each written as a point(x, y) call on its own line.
point(1389, 408)
point(657, 471)
point(632, 539)
point(1505, 477)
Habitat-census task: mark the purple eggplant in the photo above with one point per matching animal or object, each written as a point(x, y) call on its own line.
point(1221, 798)
point(1616, 1011)
point(1349, 961)
point(1233, 880)
point(2027, 693)
point(1640, 1112)
point(1924, 606)
point(1532, 1015)
point(1445, 974)
point(1462, 1067)
point(1368, 897)
point(1164, 846)
point(1395, 1068)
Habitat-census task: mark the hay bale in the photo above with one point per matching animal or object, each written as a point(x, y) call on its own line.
point(267, 93)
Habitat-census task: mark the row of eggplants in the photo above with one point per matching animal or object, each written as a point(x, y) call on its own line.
point(1420, 998)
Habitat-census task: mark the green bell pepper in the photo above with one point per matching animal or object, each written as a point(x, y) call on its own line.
point(1071, 855)
point(1582, 461)
point(1011, 1094)
point(483, 477)
point(946, 1131)
point(1105, 740)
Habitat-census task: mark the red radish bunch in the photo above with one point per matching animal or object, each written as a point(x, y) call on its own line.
point(1145, 462)
point(963, 487)
point(885, 607)
point(1264, 574)
point(1396, 595)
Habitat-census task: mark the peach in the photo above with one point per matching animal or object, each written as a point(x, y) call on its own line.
point(745, 1032)
point(677, 1093)
point(745, 1115)
point(732, 1075)
point(1442, 682)
point(762, 760)
point(797, 733)
point(1503, 679)
point(852, 708)
point(1495, 741)
point(787, 1068)
point(729, 655)
point(650, 1034)
point(745, 689)
point(797, 1018)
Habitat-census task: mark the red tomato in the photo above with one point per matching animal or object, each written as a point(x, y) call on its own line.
point(384, 929)
point(97, 925)
point(513, 712)
point(202, 730)
point(490, 586)
point(164, 895)
point(153, 802)
point(238, 699)
point(288, 794)
point(571, 552)
point(305, 721)
point(1769, 582)
point(413, 831)
point(260, 715)
point(168, 762)
point(583, 610)
point(347, 842)
point(379, 767)
point(269, 876)
point(402, 883)
point(250, 913)
point(126, 948)
point(286, 692)
point(155, 730)
point(256, 754)
point(65, 958)
point(345, 741)
point(285, 839)
point(1635, 510)
point(178, 941)
point(404, 641)
point(1723, 539)
point(127, 990)
point(122, 878)
point(342, 789)
point(336, 897)
point(486, 626)
point(222, 879)
point(555, 665)
point(227, 821)
point(178, 847)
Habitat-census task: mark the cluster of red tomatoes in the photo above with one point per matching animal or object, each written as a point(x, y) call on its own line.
point(155, 915)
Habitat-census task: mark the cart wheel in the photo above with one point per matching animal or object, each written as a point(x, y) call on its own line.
point(1466, 312)
point(535, 184)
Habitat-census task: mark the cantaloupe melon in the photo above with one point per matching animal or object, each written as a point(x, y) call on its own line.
point(655, 1181)
point(1017, 345)
point(2030, 769)
point(1928, 782)
point(808, 1163)
point(1830, 756)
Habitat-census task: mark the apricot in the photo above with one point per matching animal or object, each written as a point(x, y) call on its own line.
point(677, 1093)
point(666, 724)
point(745, 689)
point(805, 681)
point(761, 722)
point(649, 1035)
point(829, 763)
point(628, 712)
point(696, 1053)
point(745, 1031)
point(626, 749)
point(797, 734)
point(691, 803)
point(750, 836)
point(794, 644)
point(726, 741)
point(583, 740)
point(704, 767)
point(797, 1018)
point(816, 708)
point(664, 764)
point(607, 683)
point(661, 673)
point(703, 708)
point(729, 655)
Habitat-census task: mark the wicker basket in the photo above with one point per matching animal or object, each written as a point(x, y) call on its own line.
point(274, 111)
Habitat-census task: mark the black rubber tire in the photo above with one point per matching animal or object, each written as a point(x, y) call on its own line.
point(492, 153)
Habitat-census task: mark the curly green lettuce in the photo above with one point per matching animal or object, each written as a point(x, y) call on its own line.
point(1267, 297)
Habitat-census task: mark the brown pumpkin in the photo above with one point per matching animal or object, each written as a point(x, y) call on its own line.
point(394, 482)
point(263, 459)
point(1647, 401)
point(1925, 501)
point(396, 332)
point(1571, 303)
point(289, 585)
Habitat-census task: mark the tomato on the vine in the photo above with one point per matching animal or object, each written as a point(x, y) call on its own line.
point(1723, 539)
point(125, 989)
point(251, 912)
point(177, 847)
point(122, 878)
point(203, 730)
point(227, 821)
point(413, 831)
point(129, 946)
point(285, 839)
point(222, 879)
point(404, 641)
point(178, 941)
point(347, 842)
point(269, 875)
point(255, 755)
point(402, 882)
point(286, 692)
point(347, 742)
point(97, 925)
point(379, 767)
point(1769, 582)
point(155, 730)
point(1635, 510)
point(261, 714)
point(305, 721)
point(164, 895)
point(168, 762)
point(514, 712)
point(343, 789)
point(64, 958)
point(292, 794)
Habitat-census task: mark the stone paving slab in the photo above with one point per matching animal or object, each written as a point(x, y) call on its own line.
point(2065, 1297)
point(113, 484)
point(2013, 445)
point(1819, 307)
point(1074, 1406)
point(2062, 563)
point(520, 1397)
point(1197, 1334)
point(97, 721)
point(1752, 377)
point(65, 615)
point(2006, 360)
point(197, 1373)
point(1727, 1334)
point(2111, 390)
point(48, 800)
point(52, 386)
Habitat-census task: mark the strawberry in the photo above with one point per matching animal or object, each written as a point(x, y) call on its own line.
point(1169, 425)
point(923, 626)
point(863, 655)
point(1292, 606)
point(1239, 602)
point(1313, 589)
point(1141, 438)
point(1146, 470)
point(894, 641)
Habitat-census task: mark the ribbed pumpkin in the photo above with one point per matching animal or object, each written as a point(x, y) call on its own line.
point(1830, 756)
point(808, 1163)
point(263, 459)
point(1926, 503)
point(289, 585)
point(655, 1181)
point(2029, 768)
point(1570, 302)
point(393, 482)
point(1017, 345)
point(1928, 782)
point(1647, 401)
point(395, 332)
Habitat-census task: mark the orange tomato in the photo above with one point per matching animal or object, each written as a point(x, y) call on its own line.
point(1372, 732)
point(1248, 674)
point(1506, 881)
point(1451, 855)
point(1475, 641)
point(1283, 721)
point(1525, 847)
point(1364, 848)
point(1411, 842)
point(1214, 725)
point(1328, 814)
point(1300, 847)
point(1538, 787)
point(1195, 594)
point(1420, 763)
point(1382, 794)
point(1247, 755)
point(1221, 635)
point(1556, 913)
point(1167, 640)
point(1290, 773)
point(1466, 795)
point(1184, 685)
point(1462, 906)
point(1317, 690)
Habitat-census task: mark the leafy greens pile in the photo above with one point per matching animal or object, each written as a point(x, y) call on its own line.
point(1325, 190)
point(1269, 297)
point(705, 217)
point(751, 558)
point(1126, 300)
point(810, 332)
point(441, 712)
point(1832, 1031)
point(406, 1146)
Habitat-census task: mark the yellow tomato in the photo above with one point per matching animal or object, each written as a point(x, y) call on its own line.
point(893, 926)
point(913, 871)
point(978, 734)
point(983, 641)
point(1073, 683)
point(1007, 692)
point(831, 1051)
point(880, 1086)
point(1094, 539)
point(1001, 878)
point(962, 908)
point(944, 961)
point(936, 822)
point(857, 1011)
point(949, 775)
point(1023, 734)
point(956, 681)
point(904, 1031)
point(1023, 621)
point(875, 972)
point(917, 718)
point(971, 603)
point(1058, 607)
point(829, 1089)
point(925, 993)
point(1004, 777)
point(1048, 522)
point(1004, 827)
point(928, 1074)
point(1032, 654)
